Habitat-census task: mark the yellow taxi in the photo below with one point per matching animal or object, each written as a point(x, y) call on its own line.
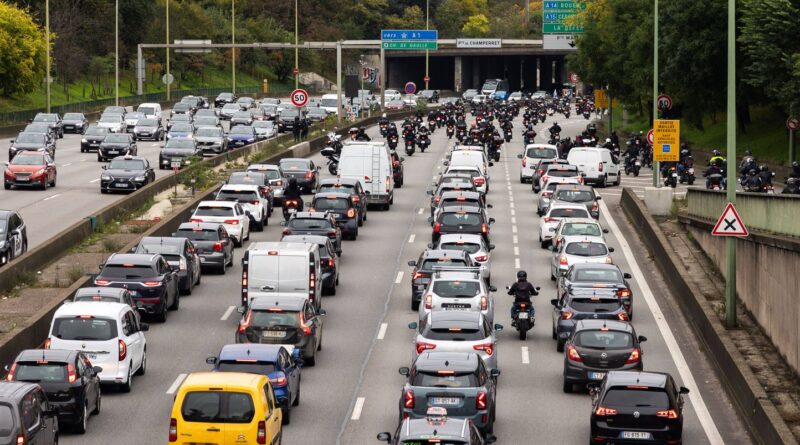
point(225, 408)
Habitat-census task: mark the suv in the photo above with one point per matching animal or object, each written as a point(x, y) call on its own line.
point(350, 186)
point(13, 236)
point(212, 242)
point(436, 427)
point(315, 223)
point(231, 215)
point(423, 269)
point(119, 144)
point(457, 331)
point(579, 303)
point(180, 253)
point(26, 413)
point(343, 209)
point(252, 199)
point(462, 219)
point(458, 290)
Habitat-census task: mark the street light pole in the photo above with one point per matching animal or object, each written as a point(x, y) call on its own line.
point(167, 76)
point(427, 27)
point(656, 164)
point(233, 49)
point(730, 282)
point(47, 45)
point(296, 50)
point(116, 53)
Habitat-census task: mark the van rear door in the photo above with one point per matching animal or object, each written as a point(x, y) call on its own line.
point(277, 274)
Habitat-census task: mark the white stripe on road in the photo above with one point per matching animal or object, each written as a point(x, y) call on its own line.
point(399, 278)
point(516, 240)
point(513, 212)
point(176, 384)
point(227, 313)
point(526, 358)
point(67, 164)
point(511, 205)
point(412, 238)
point(382, 331)
point(514, 229)
point(706, 421)
point(421, 209)
point(516, 250)
point(513, 220)
point(51, 197)
point(94, 180)
point(516, 263)
point(357, 409)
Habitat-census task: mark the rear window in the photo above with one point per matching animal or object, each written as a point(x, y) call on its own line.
point(247, 178)
point(321, 204)
point(309, 223)
point(456, 289)
point(569, 213)
point(6, 421)
point(98, 298)
point(604, 340)
point(452, 182)
point(596, 306)
point(433, 442)
point(562, 173)
point(628, 397)
point(590, 275)
point(41, 372)
point(198, 234)
point(294, 165)
point(542, 153)
point(341, 188)
point(428, 265)
point(466, 247)
point(164, 249)
point(461, 219)
point(262, 368)
point(127, 272)
point(217, 407)
point(77, 328)
point(455, 334)
point(237, 195)
point(269, 319)
point(272, 174)
point(586, 249)
point(574, 195)
point(214, 211)
point(581, 229)
point(445, 380)
point(455, 202)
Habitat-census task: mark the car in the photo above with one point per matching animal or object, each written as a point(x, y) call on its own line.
point(456, 331)
point(74, 123)
point(148, 128)
point(599, 166)
point(644, 406)
point(223, 99)
point(555, 212)
point(212, 242)
point(315, 223)
point(540, 168)
point(469, 94)
point(274, 176)
point(151, 280)
point(595, 276)
point(92, 138)
point(258, 179)
point(582, 194)
point(131, 120)
point(328, 259)
point(500, 95)
point(69, 380)
point(343, 209)
point(241, 118)
point(576, 304)
point(181, 108)
point(436, 428)
point(211, 140)
point(207, 121)
point(303, 170)
point(395, 104)
point(258, 114)
point(425, 265)
point(252, 199)
point(515, 96)
point(265, 129)
point(458, 179)
point(241, 135)
point(126, 173)
point(478, 179)
point(270, 111)
point(459, 289)
point(370, 163)
point(180, 254)
point(242, 407)
point(31, 142)
point(432, 96)
point(42, 128)
point(13, 236)
point(246, 102)
point(284, 320)
point(280, 363)
point(471, 158)
point(578, 249)
point(115, 109)
point(26, 413)
point(231, 215)
point(53, 120)
point(150, 110)
point(459, 382)
point(228, 111)
point(462, 219)
point(178, 152)
point(196, 102)
point(120, 144)
point(110, 335)
point(105, 295)
point(474, 245)
point(114, 122)
point(479, 99)
point(316, 114)
point(30, 169)
point(549, 188)
point(577, 227)
point(278, 269)
point(539, 95)
point(596, 347)
point(179, 119)
point(180, 131)
point(350, 186)
point(286, 119)
point(553, 171)
point(451, 184)
point(453, 198)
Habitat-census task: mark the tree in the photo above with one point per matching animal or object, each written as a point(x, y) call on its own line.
point(452, 15)
point(22, 52)
point(413, 18)
point(476, 26)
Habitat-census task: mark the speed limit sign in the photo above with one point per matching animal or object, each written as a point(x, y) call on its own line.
point(299, 97)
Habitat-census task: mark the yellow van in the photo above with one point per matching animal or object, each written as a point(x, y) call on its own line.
point(225, 408)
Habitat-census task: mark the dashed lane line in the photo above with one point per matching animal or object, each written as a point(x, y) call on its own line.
point(176, 384)
point(357, 409)
point(526, 358)
point(412, 238)
point(382, 331)
point(227, 313)
point(399, 278)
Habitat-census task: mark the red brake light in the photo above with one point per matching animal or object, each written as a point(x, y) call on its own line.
point(623, 316)
point(261, 435)
point(306, 328)
point(123, 350)
point(594, 206)
point(478, 181)
point(524, 162)
point(173, 430)
point(484, 303)
point(233, 222)
point(20, 440)
point(309, 174)
point(480, 401)
point(428, 301)
point(331, 263)
point(669, 414)
point(567, 315)
point(10, 375)
point(218, 247)
point(196, 220)
point(351, 212)
point(388, 184)
point(624, 293)
point(482, 258)
point(634, 357)
point(603, 411)
point(279, 380)
point(484, 229)
point(488, 348)
point(418, 275)
point(408, 399)
point(422, 346)
point(563, 261)
point(72, 375)
point(600, 167)
point(152, 283)
point(102, 282)
point(437, 227)
point(573, 355)
point(245, 323)
point(331, 234)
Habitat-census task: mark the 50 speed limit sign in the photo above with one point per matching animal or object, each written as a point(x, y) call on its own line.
point(299, 97)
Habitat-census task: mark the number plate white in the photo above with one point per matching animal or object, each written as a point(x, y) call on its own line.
point(674, 175)
point(524, 315)
point(274, 334)
point(597, 375)
point(121, 185)
point(635, 435)
point(448, 401)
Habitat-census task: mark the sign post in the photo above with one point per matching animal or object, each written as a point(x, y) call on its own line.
point(299, 97)
point(666, 140)
point(176, 167)
point(792, 124)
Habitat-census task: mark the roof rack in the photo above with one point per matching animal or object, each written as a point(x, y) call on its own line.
point(439, 269)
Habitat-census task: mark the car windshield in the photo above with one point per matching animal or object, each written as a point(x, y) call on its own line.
point(294, 165)
point(595, 305)
point(290, 113)
point(273, 319)
point(242, 129)
point(246, 178)
point(542, 153)
point(73, 117)
point(445, 379)
point(214, 211)
point(40, 372)
point(127, 271)
point(583, 248)
point(30, 138)
point(96, 131)
point(198, 234)
point(429, 264)
point(633, 398)
point(209, 133)
point(568, 213)
point(229, 107)
point(595, 275)
point(237, 195)
point(337, 188)
point(460, 245)
point(147, 111)
point(451, 202)
point(217, 407)
point(336, 204)
point(180, 143)
point(182, 128)
point(455, 333)
point(126, 164)
point(263, 124)
point(604, 339)
point(456, 288)
point(581, 229)
point(27, 160)
point(272, 174)
point(84, 328)
point(115, 118)
point(309, 223)
point(117, 139)
point(460, 219)
point(262, 368)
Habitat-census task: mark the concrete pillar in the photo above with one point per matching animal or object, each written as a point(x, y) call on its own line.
point(457, 74)
point(538, 73)
point(476, 72)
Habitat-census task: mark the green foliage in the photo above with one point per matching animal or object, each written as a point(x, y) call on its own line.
point(413, 18)
point(22, 52)
point(476, 26)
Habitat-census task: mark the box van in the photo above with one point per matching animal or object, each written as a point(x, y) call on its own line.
point(329, 103)
point(225, 407)
point(598, 165)
point(371, 164)
point(492, 85)
point(390, 95)
point(272, 269)
point(150, 110)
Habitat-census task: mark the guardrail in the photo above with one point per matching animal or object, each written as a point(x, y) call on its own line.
point(771, 213)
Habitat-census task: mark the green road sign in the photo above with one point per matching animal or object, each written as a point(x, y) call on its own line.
point(557, 16)
point(560, 28)
point(410, 45)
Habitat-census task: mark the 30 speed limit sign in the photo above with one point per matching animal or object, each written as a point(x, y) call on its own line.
point(299, 97)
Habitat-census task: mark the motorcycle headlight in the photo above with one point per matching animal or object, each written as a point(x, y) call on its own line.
point(139, 178)
point(105, 177)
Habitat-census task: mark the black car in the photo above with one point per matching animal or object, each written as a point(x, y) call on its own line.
point(31, 142)
point(637, 407)
point(149, 277)
point(284, 321)
point(13, 236)
point(149, 128)
point(242, 118)
point(350, 186)
point(179, 119)
point(329, 260)
point(423, 269)
point(68, 379)
point(42, 128)
point(92, 138)
point(303, 170)
point(117, 144)
point(576, 304)
point(52, 120)
point(286, 119)
point(462, 219)
point(596, 347)
point(180, 151)
point(74, 123)
point(180, 253)
point(212, 242)
point(126, 173)
point(315, 223)
point(23, 405)
point(343, 209)
point(181, 108)
point(595, 276)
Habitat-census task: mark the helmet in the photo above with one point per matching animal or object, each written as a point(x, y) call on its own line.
point(383, 115)
point(794, 164)
point(354, 130)
point(555, 123)
point(362, 129)
point(763, 168)
point(684, 152)
point(747, 152)
point(292, 182)
point(522, 275)
point(608, 139)
point(715, 152)
point(752, 172)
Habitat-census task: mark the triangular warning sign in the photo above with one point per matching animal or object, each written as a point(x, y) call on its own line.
point(730, 223)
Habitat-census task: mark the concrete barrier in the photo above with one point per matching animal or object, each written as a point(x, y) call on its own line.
point(751, 401)
point(771, 213)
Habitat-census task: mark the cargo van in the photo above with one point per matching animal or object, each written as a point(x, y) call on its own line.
point(329, 103)
point(150, 110)
point(271, 269)
point(598, 165)
point(371, 164)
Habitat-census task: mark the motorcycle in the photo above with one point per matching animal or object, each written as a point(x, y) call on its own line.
point(410, 147)
point(525, 317)
point(715, 182)
point(333, 159)
point(424, 142)
point(529, 136)
point(671, 177)
point(450, 131)
point(566, 113)
point(439, 121)
point(461, 134)
point(290, 207)
point(587, 115)
point(393, 142)
point(792, 186)
point(384, 129)
point(507, 135)
point(632, 166)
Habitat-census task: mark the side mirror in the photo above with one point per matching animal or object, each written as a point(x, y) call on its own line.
point(598, 198)
point(498, 327)
point(684, 390)
point(322, 312)
point(97, 369)
point(611, 249)
point(492, 289)
point(491, 164)
point(642, 339)
point(519, 156)
point(412, 325)
point(494, 372)
point(211, 360)
point(554, 302)
point(605, 230)
point(627, 276)
point(491, 220)
point(144, 327)
point(446, 162)
point(385, 437)
point(429, 245)
point(404, 371)
point(491, 246)
point(413, 263)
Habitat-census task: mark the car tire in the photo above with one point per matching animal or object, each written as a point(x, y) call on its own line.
point(80, 427)
point(559, 346)
point(360, 222)
point(53, 184)
point(126, 387)
point(199, 277)
point(554, 333)
point(143, 368)
point(286, 410)
point(7, 186)
point(189, 288)
point(619, 179)
point(162, 317)
point(103, 191)
point(177, 303)
point(331, 291)
point(311, 361)
point(236, 243)
point(260, 226)
point(414, 305)
point(568, 387)
point(97, 404)
point(223, 268)
point(544, 244)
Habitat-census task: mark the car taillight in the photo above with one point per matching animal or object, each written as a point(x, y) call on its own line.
point(331, 234)
point(634, 357)
point(173, 430)
point(351, 212)
point(624, 293)
point(123, 350)
point(600, 167)
point(418, 275)
point(72, 375)
point(609, 260)
point(287, 232)
point(217, 247)
point(484, 303)
point(245, 323)
point(428, 301)
point(563, 261)
point(151, 283)
point(623, 316)
point(546, 194)
point(594, 206)
point(669, 414)
point(47, 344)
point(11, 372)
point(261, 435)
point(480, 400)
point(437, 227)
point(437, 199)
point(233, 222)
point(388, 184)
point(331, 263)
point(479, 181)
point(182, 264)
point(541, 171)
point(196, 220)
point(482, 258)
point(309, 175)
point(524, 162)
point(408, 399)
point(279, 380)
point(543, 179)
point(355, 199)
point(488, 348)
point(422, 346)
point(484, 229)
point(306, 328)
point(566, 315)
point(102, 282)
point(573, 355)
point(602, 411)
point(548, 219)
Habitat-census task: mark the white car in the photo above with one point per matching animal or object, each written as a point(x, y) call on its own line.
point(578, 249)
point(547, 192)
point(480, 182)
point(515, 96)
point(471, 158)
point(231, 215)
point(474, 245)
point(390, 95)
point(110, 334)
point(410, 100)
point(114, 122)
point(456, 331)
point(479, 98)
point(555, 212)
point(251, 198)
point(457, 291)
point(598, 165)
point(530, 159)
point(469, 94)
point(577, 227)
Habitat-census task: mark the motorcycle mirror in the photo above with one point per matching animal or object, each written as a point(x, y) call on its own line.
point(642, 339)
point(404, 371)
point(412, 325)
point(429, 245)
point(627, 276)
point(611, 249)
point(554, 302)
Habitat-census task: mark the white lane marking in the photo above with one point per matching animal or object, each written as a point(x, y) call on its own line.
point(399, 278)
point(516, 250)
point(67, 164)
point(357, 409)
point(83, 160)
point(511, 205)
point(514, 229)
point(412, 238)
point(420, 211)
point(94, 180)
point(516, 240)
point(706, 421)
point(176, 384)
point(227, 313)
point(51, 197)
point(511, 199)
point(154, 145)
point(513, 212)
point(516, 263)
point(382, 331)
point(513, 220)
point(526, 358)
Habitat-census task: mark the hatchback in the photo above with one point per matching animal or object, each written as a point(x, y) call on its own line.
point(531, 157)
point(436, 428)
point(578, 249)
point(462, 219)
point(474, 245)
point(25, 414)
point(583, 303)
point(180, 253)
point(588, 275)
point(579, 194)
point(424, 267)
point(452, 290)
point(214, 245)
point(555, 213)
point(342, 207)
point(456, 331)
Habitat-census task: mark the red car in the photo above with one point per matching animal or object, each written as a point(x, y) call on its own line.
point(30, 170)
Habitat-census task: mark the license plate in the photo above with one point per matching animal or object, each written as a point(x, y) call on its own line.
point(94, 144)
point(273, 334)
point(121, 185)
point(597, 375)
point(113, 152)
point(23, 179)
point(456, 306)
point(144, 134)
point(635, 435)
point(674, 175)
point(524, 315)
point(202, 259)
point(448, 401)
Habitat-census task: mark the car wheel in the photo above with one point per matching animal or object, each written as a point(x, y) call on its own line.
point(126, 387)
point(177, 303)
point(103, 191)
point(143, 368)
point(554, 333)
point(414, 305)
point(53, 184)
point(360, 222)
point(559, 346)
point(544, 244)
point(286, 410)
point(237, 243)
point(568, 387)
point(162, 317)
point(311, 361)
point(619, 179)
point(199, 277)
point(96, 410)
point(223, 268)
point(331, 291)
point(80, 427)
point(260, 226)
point(7, 186)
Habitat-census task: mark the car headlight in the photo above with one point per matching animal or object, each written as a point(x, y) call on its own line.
point(105, 177)
point(2, 244)
point(84, 141)
point(139, 178)
point(39, 172)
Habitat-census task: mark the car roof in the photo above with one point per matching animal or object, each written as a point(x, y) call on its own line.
point(458, 275)
point(454, 317)
point(100, 290)
point(467, 194)
point(5, 214)
point(237, 187)
point(590, 324)
point(200, 225)
point(14, 390)
point(574, 187)
point(163, 240)
point(311, 215)
point(339, 195)
point(452, 428)
point(566, 205)
point(456, 361)
point(581, 238)
point(261, 352)
point(463, 209)
point(311, 239)
point(261, 167)
point(281, 246)
point(290, 303)
point(471, 238)
point(45, 354)
point(105, 308)
point(131, 258)
point(230, 380)
point(443, 253)
point(624, 378)
point(581, 221)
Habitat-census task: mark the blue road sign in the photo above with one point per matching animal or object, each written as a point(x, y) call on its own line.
point(410, 34)
point(666, 148)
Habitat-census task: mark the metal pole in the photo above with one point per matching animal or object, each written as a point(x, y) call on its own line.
point(610, 112)
point(427, 26)
point(139, 70)
point(339, 81)
point(730, 282)
point(296, 49)
point(47, 44)
point(167, 2)
point(116, 53)
point(233, 50)
point(382, 75)
point(791, 136)
point(656, 165)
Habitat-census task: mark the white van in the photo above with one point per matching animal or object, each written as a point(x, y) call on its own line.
point(390, 95)
point(371, 164)
point(597, 164)
point(274, 269)
point(329, 103)
point(475, 158)
point(150, 110)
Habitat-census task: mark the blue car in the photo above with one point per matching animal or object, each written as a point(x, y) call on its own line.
point(241, 135)
point(500, 95)
point(281, 363)
point(181, 131)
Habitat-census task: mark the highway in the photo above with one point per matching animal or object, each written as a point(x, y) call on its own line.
point(353, 392)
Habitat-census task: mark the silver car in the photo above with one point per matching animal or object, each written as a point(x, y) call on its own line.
point(265, 129)
point(474, 245)
point(577, 227)
point(547, 193)
point(275, 176)
point(555, 213)
point(456, 331)
point(578, 249)
point(451, 290)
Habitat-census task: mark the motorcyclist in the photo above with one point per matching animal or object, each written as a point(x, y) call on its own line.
point(362, 134)
point(383, 121)
point(353, 134)
point(423, 132)
point(748, 163)
point(795, 173)
point(753, 180)
point(715, 157)
point(293, 191)
point(555, 129)
point(609, 145)
point(765, 175)
point(615, 138)
point(713, 169)
point(631, 154)
point(522, 291)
